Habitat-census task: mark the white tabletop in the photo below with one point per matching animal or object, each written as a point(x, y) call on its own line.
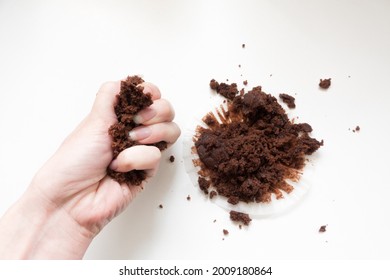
point(55, 54)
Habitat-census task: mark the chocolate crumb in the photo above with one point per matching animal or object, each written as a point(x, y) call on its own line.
point(130, 101)
point(171, 158)
point(322, 228)
point(288, 99)
point(225, 232)
point(240, 217)
point(239, 65)
point(245, 82)
point(240, 226)
point(204, 185)
point(227, 91)
point(324, 83)
point(188, 197)
point(161, 206)
point(214, 221)
point(357, 128)
point(243, 46)
point(212, 194)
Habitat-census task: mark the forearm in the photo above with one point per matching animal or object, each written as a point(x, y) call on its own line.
point(32, 229)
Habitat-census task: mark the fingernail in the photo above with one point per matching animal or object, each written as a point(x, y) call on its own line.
point(140, 133)
point(114, 164)
point(147, 89)
point(144, 115)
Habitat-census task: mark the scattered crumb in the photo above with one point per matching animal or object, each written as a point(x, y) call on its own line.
point(245, 82)
point(322, 228)
point(324, 83)
point(240, 217)
point(212, 194)
point(171, 158)
point(240, 226)
point(214, 221)
point(204, 184)
point(270, 75)
point(161, 206)
point(225, 232)
point(243, 46)
point(188, 197)
point(288, 99)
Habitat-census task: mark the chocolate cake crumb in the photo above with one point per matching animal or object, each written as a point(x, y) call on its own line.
point(225, 232)
point(171, 158)
point(214, 221)
point(322, 228)
point(245, 82)
point(188, 197)
point(204, 185)
point(288, 99)
point(253, 150)
point(212, 194)
point(239, 65)
point(240, 217)
point(130, 101)
point(227, 91)
point(161, 206)
point(243, 46)
point(357, 128)
point(240, 226)
point(324, 83)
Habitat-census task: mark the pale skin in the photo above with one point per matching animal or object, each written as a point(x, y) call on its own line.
point(71, 198)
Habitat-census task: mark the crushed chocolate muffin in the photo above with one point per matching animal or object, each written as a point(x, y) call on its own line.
point(188, 197)
point(250, 154)
point(288, 99)
point(171, 158)
point(240, 217)
point(322, 229)
point(324, 83)
point(130, 101)
point(225, 232)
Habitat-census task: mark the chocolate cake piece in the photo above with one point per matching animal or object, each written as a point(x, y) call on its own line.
point(288, 99)
point(130, 101)
point(240, 217)
point(325, 83)
point(253, 150)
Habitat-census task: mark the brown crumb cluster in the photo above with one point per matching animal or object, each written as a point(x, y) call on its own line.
point(172, 158)
point(322, 228)
point(325, 83)
point(253, 150)
point(130, 101)
point(240, 217)
point(288, 99)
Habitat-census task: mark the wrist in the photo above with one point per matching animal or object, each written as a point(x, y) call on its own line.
point(34, 228)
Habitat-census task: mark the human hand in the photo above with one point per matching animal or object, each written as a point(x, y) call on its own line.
point(73, 184)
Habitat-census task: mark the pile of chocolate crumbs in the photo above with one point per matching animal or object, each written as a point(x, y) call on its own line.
point(130, 101)
point(252, 149)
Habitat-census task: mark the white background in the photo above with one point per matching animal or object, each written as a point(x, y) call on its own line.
point(55, 54)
